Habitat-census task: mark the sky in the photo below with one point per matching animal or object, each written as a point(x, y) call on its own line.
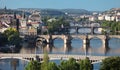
point(91, 5)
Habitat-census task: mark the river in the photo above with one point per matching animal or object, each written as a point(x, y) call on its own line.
point(74, 48)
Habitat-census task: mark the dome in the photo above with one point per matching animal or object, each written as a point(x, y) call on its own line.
point(35, 17)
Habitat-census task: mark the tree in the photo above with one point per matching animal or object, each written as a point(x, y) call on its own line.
point(114, 26)
point(86, 64)
point(111, 63)
point(12, 36)
point(54, 26)
point(52, 66)
point(69, 65)
point(33, 65)
point(3, 39)
point(44, 65)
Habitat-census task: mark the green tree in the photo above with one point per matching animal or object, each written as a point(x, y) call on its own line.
point(3, 39)
point(44, 65)
point(114, 26)
point(54, 26)
point(86, 64)
point(81, 65)
point(33, 65)
point(12, 36)
point(111, 63)
point(52, 66)
point(69, 65)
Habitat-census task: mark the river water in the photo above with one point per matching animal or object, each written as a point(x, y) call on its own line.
point(58, 47)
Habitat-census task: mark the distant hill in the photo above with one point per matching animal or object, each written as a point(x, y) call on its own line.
point(58, 12)
point(51, 12)
point(12, 11)
point(111, 11)
point(76, 11)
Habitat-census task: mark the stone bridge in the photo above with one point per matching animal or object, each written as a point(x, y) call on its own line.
point(39, 57)
point(77, 28)
point(85, 38)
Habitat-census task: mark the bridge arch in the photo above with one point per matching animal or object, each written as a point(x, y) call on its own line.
point(114, 43)
point(76, 42)
point(41, 39)
point(73, 31)
point(58, 42)
point(95, 43)
point(101, 37)
point(84, 30)
point(57, 38)
point(44, 37)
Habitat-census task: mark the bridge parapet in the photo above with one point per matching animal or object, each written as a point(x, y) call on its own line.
point(114, 36)
point(54, 56)
point(78, 36)
point(58, 36)
point(29, 57)
point(102, 37)
point(46, 37)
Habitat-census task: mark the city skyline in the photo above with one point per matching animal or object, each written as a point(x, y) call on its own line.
point(91, 5)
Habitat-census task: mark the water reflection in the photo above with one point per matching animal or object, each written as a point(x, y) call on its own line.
point(114, 43)
point(95, 43)
point(84, 30)
point(12, 64)
point(58, 43)
point(76, 43)
point(76, 47)
point(59, 47)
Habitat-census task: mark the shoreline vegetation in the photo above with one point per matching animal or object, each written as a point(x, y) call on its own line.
point(110, 63)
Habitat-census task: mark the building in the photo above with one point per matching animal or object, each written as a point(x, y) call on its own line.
point(101, 17)
point(35, 17)
point(15, 22)
point(92, 18)
point(117, 18)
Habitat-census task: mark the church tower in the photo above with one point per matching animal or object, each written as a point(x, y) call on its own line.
point(15, 22)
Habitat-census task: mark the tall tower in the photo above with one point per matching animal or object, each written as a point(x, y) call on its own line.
point(23, 21)
point(15, 22)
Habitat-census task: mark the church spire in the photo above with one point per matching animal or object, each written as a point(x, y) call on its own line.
point(14, 15)
point(23, 15)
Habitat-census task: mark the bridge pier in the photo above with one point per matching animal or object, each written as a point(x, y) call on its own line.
point(66, 38)
point(87, 43)
point(50, 39)
point(105, 44)
point(84, 46)
point(92, 30)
